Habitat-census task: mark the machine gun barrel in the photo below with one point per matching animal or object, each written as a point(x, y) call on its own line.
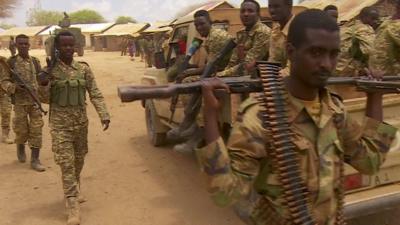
point(244, 85)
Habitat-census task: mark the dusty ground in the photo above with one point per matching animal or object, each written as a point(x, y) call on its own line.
point(125, 179)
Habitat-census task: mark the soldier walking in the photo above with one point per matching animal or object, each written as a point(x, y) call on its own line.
point(28, 121)
point(67, 85)
point(5, 109)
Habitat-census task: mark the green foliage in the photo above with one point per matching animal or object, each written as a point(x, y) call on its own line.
point(86, 16)
point(125, 19)
point(6, 26)
point(39, 17)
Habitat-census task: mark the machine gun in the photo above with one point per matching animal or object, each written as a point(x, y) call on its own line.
point(19, 81)
point(196, 43)
point(389, 84)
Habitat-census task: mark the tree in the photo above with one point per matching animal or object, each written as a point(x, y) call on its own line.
point(6, 6)
point(39, 17)
point(6, 26)
point(125, 19)
point(86, 16)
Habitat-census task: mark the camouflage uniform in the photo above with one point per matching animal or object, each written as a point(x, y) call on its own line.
point(28, 121)
point(148, 46)
point(254, 44)
point(68, 118)
point(356, 43)
point(386, 50)
point(244, 164)
point(5, 102)
point(277, 47)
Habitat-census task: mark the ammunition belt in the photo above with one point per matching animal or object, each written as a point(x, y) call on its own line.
point(274, 115)
point(340, 219)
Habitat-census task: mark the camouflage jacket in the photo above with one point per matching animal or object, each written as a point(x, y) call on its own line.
point(356, 43)
point(215, 41)
point(27, 70)
point(386, 50)
point(69, 117)
point(277, 48)
point(254, 43)
point(243, 165)
point(4, 78)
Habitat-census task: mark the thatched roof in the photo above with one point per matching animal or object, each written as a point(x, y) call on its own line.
point(28, 31)
point(125, 29)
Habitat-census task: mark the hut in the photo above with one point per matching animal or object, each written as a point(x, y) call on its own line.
point(36, 41)
point(111, 39)
point(349, 10)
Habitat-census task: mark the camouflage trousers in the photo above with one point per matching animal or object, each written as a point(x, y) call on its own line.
point(27, 125)
point(5, 109)
point(70, 148)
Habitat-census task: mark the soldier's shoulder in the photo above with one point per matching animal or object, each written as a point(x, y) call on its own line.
point(250, 104)
point(337, 101)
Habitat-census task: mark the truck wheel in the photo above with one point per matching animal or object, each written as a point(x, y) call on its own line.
point(156, 138)
point(80, 51)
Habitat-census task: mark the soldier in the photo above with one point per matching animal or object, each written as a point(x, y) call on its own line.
point(215, 40)
point(332, 11)
point(69, 81)
point(11, 46)
point(28, 121)
point(281, 13)
point(323, 135)
point(148, 47)
point(252, 41)
point(385, 51)
point(357, 38)
point(5, 108)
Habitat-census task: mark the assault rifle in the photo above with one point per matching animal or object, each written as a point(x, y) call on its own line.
point(389, 84)
point(196, 43)
point(19, 81)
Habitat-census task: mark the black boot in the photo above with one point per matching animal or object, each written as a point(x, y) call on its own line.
point(21, 153)
point(35, 162)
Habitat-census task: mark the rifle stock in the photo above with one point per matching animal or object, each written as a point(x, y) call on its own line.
point(245, 85)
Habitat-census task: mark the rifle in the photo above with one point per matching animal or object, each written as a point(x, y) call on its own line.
point(196, 43)
point(389, 84)
point(17, 78)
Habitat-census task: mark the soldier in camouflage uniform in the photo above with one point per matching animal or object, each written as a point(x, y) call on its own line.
point(324, 134)
point(28, 121)
point(214, 41)
point(5, 108)
point(148, 48)
point(385, 54)
point(252, 42)
point(281, 14)
point(357, 38)
point(69, 82)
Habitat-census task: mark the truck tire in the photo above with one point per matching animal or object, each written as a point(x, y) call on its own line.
point(80, 51)
point(156, 138)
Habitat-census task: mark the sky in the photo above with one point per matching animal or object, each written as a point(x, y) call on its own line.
point(141, 10)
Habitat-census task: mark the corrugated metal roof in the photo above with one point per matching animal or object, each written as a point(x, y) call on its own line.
point(158, 27)
point(208, 7)
point(93, 28)
point(29, 31)
point(125, 29)
point(348, 9)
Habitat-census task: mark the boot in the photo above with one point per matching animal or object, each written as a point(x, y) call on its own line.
point(21, 153)
point(5, 138)
point(35, 162)
point(73, 211)
point(191, 144)
point(81, 198)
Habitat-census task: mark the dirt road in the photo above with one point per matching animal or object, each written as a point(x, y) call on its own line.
point(125, 179)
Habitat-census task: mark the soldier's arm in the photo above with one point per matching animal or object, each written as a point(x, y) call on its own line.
point(5, 80)
point(95, 95)
point(365, 145)
point(366, 37)
point(232, 67)
point(260, 47)
point(394, 33)
point(231, 169)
